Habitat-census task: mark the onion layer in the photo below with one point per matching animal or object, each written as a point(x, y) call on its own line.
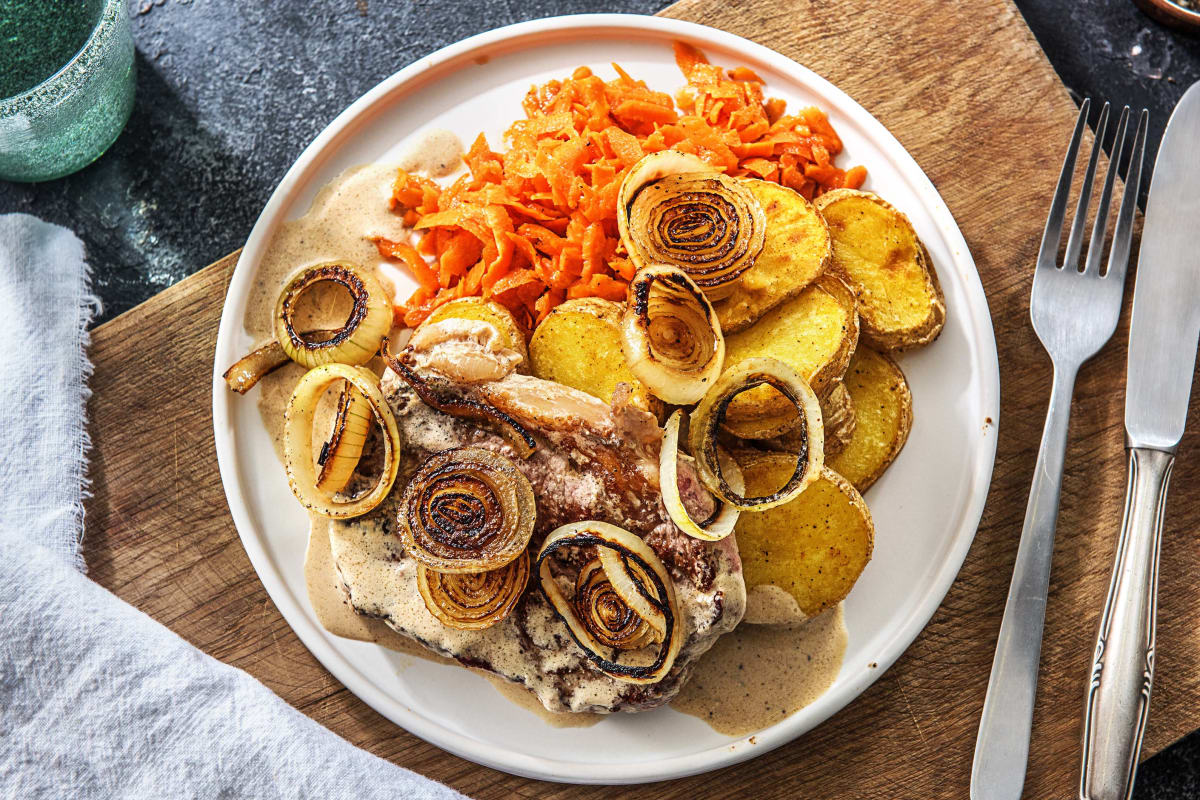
point(597, 618)
point(474, 600)
point(297, 440)
point(706, 420)
point(706, 223)
point(340, 455)
point(467, 510)
point(357, 341)
point(670, 335)
point(250, 368)
point(725, 518)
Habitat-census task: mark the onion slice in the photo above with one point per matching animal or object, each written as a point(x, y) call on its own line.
point(670, 334)
point(445, 398)
point(721, 524)
point(706, 421)
point(340, 455)
point(357, 341)
point(636, 578)
point(673, 210)
point(250, 368)
point(473, 601)
point(297, 440)
point(467, 510)
point(605, 615)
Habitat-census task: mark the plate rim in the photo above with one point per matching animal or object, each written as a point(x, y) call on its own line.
point(559, 770)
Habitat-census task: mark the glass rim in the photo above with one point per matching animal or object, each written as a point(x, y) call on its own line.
point(102, 25)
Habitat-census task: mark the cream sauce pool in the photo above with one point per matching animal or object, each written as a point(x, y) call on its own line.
point(751, 678)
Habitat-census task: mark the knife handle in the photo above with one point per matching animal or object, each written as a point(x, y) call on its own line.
point(1118, 696)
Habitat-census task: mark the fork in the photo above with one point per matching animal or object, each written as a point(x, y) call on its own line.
point(1074, 312)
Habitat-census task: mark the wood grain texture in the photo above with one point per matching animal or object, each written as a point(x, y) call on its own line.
point(966, 89)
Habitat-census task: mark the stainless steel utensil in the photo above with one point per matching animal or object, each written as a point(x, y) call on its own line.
point(1074, 312)
point(1158, 385)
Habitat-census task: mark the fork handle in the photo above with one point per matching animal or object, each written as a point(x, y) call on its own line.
point(1118, 696)
point(1002, 746)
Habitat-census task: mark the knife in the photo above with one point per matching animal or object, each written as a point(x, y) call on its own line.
point(1158, 384)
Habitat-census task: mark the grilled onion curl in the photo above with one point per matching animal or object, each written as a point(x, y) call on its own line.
point(670, 335)
point(707, 418)
point(357, 341)
point(340, 455)
point(297, 441)
point(474, 600)
point(467, 510)
point(725, 517)
point(675, 209)
point(623, 601)
point(250, 368)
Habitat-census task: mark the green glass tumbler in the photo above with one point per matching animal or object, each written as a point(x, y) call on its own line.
point(66, 84)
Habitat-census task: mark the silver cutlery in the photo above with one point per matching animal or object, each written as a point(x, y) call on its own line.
point(1158, 384)
point(1074, 312)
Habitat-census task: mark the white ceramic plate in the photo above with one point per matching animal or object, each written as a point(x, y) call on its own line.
point(926, 507)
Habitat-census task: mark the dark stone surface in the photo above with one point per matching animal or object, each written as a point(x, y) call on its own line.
point(230, 92)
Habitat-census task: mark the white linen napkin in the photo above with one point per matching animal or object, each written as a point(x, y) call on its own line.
point(97, 700)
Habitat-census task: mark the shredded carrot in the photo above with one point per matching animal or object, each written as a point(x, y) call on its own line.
point(536, 225)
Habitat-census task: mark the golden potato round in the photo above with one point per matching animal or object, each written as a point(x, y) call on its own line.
point(476, 308)
point(815, 333)
point(877, 250)
point(579, 345)
point(797, 250)
point(813, 548)
point(883, 412)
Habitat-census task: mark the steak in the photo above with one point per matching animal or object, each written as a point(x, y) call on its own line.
point(592, 461)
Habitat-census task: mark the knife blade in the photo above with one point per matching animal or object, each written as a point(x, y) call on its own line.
point(1166, 296)
point(1162, 357)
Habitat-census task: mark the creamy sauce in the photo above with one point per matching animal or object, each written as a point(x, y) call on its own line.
point(751, 678)
point(759, 675)
point(436, 152)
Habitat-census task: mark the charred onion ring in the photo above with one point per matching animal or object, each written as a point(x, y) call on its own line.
point(446, 399)
point(340, 455)
point(297, 440)
point(721, 523)
point(357, 341)
point(671, 336)
point(474, 600)
point(638, 579)
point(706, 223)
point(707, 418)
point(467, 510)
point(605, 615)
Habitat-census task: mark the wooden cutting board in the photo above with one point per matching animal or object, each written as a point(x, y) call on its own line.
point(966, 89)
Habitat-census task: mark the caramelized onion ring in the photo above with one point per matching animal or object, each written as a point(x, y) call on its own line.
point(707, 418)
point(357, 341)
point(670, 335)
point(605, 615)
point(445, 399)
point(637, 577)
point(467, 510)
point(474, 600)
point(297, 440)
point(706, 223)
point(721, 523)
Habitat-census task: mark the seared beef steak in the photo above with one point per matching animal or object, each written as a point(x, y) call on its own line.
point(591, 462)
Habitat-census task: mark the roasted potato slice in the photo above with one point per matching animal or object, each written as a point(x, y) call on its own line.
point(804, 556)
point(476, 308)
point(579, 345)
point(815, 333)
point(883, 413)
point(877, 250)
point(796, 252)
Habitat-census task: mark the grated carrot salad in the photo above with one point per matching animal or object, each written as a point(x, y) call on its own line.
point(536, 225)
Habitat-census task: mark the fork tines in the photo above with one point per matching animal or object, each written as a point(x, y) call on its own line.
point(1118, 258)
